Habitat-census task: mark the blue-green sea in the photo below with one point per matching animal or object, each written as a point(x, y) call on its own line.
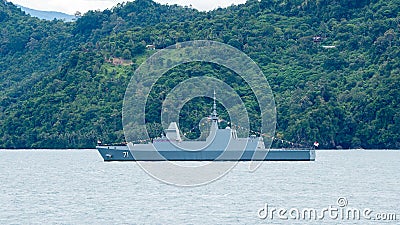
point(77, 187)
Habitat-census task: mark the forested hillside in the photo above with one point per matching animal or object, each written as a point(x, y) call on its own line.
point(334, 68)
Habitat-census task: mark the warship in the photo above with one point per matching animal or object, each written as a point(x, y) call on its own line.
point(219, 145)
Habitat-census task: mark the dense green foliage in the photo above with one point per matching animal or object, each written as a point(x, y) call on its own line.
point(60, 88)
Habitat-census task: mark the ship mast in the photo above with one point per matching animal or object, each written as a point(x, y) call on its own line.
point(214, 114)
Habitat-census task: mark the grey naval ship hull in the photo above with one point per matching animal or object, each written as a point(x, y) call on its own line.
point(122, 153)
point(220, 145)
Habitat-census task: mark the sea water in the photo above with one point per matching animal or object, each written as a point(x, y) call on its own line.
point(77, 187)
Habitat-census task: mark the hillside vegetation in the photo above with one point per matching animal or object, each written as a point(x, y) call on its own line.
point(334, 68)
